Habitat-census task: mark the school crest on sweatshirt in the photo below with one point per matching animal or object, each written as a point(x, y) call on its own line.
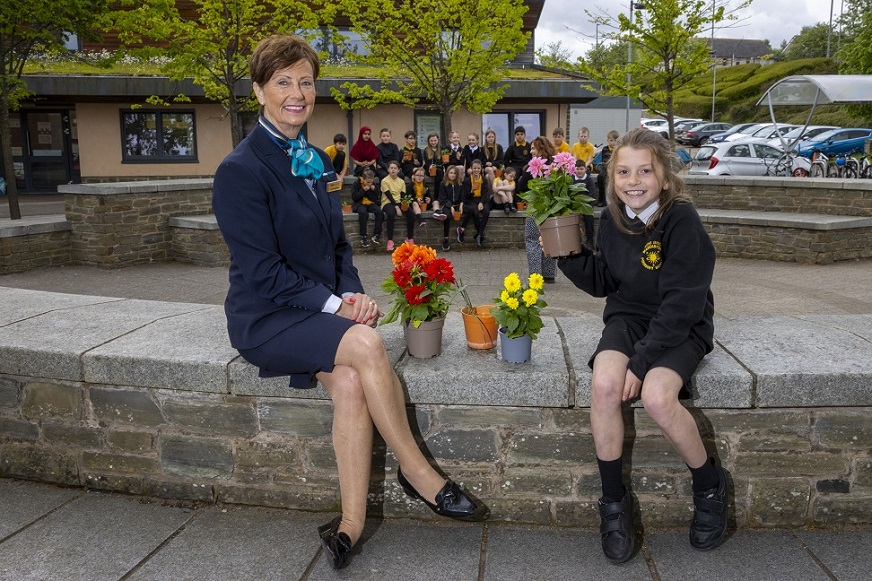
point(652, 255)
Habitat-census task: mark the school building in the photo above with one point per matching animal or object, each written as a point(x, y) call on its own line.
point(92, 128)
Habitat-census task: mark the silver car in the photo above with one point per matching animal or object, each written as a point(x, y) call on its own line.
point(749, 157)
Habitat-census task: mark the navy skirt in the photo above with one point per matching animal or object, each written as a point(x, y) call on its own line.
point(301, 350)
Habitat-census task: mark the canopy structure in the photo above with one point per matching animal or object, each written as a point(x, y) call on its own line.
point(816, 90)
point(819, 90)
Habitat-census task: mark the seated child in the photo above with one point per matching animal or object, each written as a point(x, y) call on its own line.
point(336, 153)
point(365, 201)
point(504, 191)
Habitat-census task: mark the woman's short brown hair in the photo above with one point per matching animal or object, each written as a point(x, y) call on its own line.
point(279, 52)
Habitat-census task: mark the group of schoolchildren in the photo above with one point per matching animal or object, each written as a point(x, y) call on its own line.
point(468, 181)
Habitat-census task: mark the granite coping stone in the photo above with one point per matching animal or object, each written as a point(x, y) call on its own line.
point(33, 225)
point(189, 351)
point(200, 222)
point(804, 361)
point(464, 376)
point(136, 187)
point(766, 362)
point(776, 181)
point(783, 219)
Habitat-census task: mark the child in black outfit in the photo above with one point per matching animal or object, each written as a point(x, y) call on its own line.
point(365, 199)
point(387, 152)
point(476, 203)
point(411, 156)
point(450, 198)
point(471, 152)
point(654, 266)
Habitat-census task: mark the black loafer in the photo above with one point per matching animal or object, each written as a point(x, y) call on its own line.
point(451, 501)
point(616, 529)
point(337, 546)
point(709, 524)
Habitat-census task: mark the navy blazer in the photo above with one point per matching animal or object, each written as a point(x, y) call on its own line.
point(288, 251)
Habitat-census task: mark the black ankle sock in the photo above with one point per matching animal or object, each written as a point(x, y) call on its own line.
point(611, 474)
point(705, 477)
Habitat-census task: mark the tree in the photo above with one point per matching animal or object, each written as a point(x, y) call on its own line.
point(857, 56)
point(212, 45)
point(447, 52)
point(553, 55)
point(811, 42)
point(669, 49)
point(25, 28)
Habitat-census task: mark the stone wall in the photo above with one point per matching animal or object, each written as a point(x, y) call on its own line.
point(34, 243)
point(123, 224)
point(148, 398)
point(773, 194)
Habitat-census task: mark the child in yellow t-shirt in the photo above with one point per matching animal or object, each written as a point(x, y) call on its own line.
point(558, 137)
point(583, 149)
point(504, 190)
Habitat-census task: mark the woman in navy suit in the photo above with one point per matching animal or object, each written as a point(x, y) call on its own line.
point(296, 305)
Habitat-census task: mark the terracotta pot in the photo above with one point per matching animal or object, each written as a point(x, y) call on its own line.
point(456, 215)
point(515, 350)
point(425, 341)
point(346, 208)
point(423, 206)
point(521, 205)
point(498, 173)
point(561, 235)
point(432, 171)
point(445, 157)
point(404, 206)
point(480, 326)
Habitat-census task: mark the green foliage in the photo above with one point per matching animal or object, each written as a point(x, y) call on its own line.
point(447, 52)
point(668, 53)
point(768, 75)
point(517, 307)
point(857, 56)
point(214, 46)
point(811, 42)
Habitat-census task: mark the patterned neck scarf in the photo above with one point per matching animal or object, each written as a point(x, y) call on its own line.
point(305, 161)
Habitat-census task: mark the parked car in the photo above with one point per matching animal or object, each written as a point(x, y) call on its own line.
point(739, 128)
point(804, 133)
point(835, 142)
point(696, 136)
point(748, 157)
point(652, 123)
point(765, 131)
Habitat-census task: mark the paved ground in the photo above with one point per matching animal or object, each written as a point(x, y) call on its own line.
point(51, 533)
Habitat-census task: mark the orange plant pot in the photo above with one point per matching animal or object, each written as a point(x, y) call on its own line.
point(346, 208)
point(423, 206)
point(521, 205)
point(480, 327)
point(456, 215)
point(445, 158)
point(432, 171)
point(404, 206)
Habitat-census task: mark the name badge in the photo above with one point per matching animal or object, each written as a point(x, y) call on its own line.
point(334, 186)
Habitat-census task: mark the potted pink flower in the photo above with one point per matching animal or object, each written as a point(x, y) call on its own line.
point(556, 202)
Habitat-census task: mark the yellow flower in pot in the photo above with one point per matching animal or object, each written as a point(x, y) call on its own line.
point(517, 312)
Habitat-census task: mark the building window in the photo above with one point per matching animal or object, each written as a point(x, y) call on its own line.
point(158, 136)
point(504, 122)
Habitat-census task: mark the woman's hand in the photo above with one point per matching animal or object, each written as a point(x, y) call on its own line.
point(360, 308)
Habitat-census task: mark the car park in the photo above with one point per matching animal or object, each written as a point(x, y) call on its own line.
point(738, 128)
point(696, 136)
point(837, 141)
point(804, 133)
point(765, 131)
point(748, 157)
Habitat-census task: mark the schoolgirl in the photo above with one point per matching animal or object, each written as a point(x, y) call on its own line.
point(432, 155)
point(654, 266)
point(476, 203)
point(472, 151)
point(364, 154)
point(493, 155)
point(450, 199)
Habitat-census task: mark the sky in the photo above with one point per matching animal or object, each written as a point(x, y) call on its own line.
point(772, 20)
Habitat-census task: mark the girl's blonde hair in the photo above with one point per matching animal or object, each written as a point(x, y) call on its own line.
point(666, 165)
point(490, 151)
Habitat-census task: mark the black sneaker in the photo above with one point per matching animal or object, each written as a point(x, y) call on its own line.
point(507, 208)
point(459, 234)
point(364, 241)
point(513, 209)
point(616, 529)
point(709, 524)
point(479, 239)
point(376, 240)
point(446, 245)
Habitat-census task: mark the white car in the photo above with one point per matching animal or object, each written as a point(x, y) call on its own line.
point(765, 131)
point(748, 157)
point(806, 132)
